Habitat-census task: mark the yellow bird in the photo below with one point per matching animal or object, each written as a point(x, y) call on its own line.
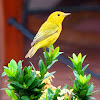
point(48, 32)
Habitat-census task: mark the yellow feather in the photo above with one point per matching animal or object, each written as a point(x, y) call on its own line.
point(48, 32)
point(32, 51)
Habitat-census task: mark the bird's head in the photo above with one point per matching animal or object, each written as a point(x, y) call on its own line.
point(58, 17)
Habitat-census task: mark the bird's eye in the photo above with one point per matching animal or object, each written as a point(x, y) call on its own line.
point(58, 14)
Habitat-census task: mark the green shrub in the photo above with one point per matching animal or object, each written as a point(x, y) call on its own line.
point(82, 88)
point(26, 84)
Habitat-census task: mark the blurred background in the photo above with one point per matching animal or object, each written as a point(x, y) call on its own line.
point(20, 20)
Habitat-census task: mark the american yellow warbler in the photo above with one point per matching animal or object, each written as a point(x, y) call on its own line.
point(48, 32)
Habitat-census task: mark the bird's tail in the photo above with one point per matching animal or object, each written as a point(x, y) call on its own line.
point(32, 51)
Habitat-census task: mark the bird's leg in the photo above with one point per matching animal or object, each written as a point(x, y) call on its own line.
point(44, 49)
point(50, 49)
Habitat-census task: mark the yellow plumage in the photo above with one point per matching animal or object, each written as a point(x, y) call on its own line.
point(48, 32)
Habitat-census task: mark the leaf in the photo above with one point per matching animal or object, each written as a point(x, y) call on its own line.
point(20, 64)
point(92, 98)
point(75, 74)
point(13, 66)
point(88, 78)
point(3, 88)
point(56, 93)
point(50, 91)
point(5, 67)
point(95, 91)
point(74, 57)
point(3, 74)
point(36, 90)
point(41, 85)
point(57, 55)
point(71, 79)
point(79, 66)
point(26, 77)
point(74, 63)
point(20, 80)
point(76, 83)
point(11, 94)
point(41, 64)
point(83, 93)
point(25, 98)
point(46, 97)
point(47, 57)
point(9, 86)
point(11, 78)
point(17, 84)
point(49, 75)
point(8, 92)
point(90, 89)
point(81, 79)
point(35, 83)
point(19, 69)
point(69, 87)
point(52, 47)
point(83, 58)
point(18, 73)
point(74, 87)
point(50, 97)
point(55, 52)
point(8, 65)
point(70, 67)
point(84, 68)
point(24, 72)
point(79, 57)
point(30, 80)
point(46, 54)
point(42, 68)
point(81, 72)
point(65, 87)
point(29, 69)
point(33, 67)
point(51, 64)
point(8, 72)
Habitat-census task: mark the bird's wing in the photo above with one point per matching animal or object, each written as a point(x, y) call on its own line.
point(46, 30)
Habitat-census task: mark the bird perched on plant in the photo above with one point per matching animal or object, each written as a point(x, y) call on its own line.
point(48, 32)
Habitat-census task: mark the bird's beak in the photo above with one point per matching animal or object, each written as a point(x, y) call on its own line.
point(66, 14)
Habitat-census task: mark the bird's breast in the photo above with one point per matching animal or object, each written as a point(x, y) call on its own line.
point(50, 40)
